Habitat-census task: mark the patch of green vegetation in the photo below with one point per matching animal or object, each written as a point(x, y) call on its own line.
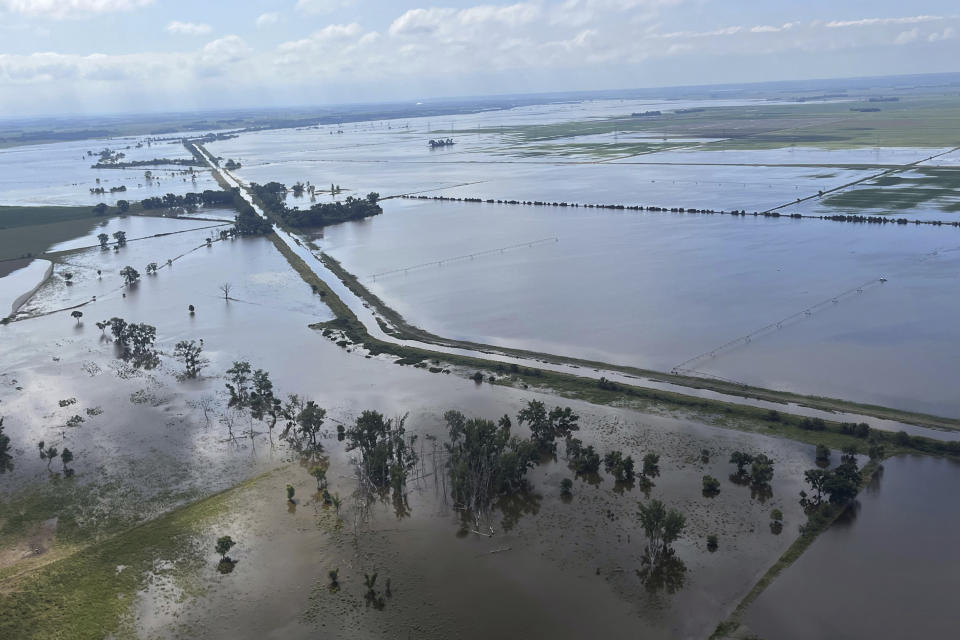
point(12, 217)
point(73, 504)
point(904, 191)
point(929, 121)
point(89, 594)
point(593, 150)
point(29, 231)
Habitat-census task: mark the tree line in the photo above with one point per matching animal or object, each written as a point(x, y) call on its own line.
point(272, 195)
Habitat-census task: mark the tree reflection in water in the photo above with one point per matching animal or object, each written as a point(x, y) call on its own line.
point(516, 505)
point(667, 576)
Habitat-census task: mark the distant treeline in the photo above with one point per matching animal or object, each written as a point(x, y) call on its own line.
point(247, 222)
point(183, 162)
point(213, 137)
point(208, 198)
point(642, 114)
point(272, 196)
point(824, 96)
point(29, 137)
point(654, 209)
point(884, 100)
point(865, 109)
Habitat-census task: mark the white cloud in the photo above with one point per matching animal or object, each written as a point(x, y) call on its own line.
point(322, 6)
point(267, 19)
point(69, 8)
point(188, 28)
point(416, 22)
point(906, 37)
point(225, 50)
point(767, 28)
point(947, 34)
point(435, 49)
point(869, 22)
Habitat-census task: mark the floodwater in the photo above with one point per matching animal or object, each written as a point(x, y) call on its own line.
point(652, 290)
point(20, 282)
point(649, 290)
point(61, 173)
point(144, 430)
point(888, 570)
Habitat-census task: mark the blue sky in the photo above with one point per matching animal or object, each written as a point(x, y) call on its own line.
point(87, 56)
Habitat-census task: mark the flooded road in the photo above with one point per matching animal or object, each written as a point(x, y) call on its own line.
point(651, 290)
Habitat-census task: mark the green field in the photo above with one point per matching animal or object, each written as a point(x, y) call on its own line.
point(904, 191)
point(31, 230)
point(912, 122)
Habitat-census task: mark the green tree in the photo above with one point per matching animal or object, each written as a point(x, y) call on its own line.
point(583, 460)
point(546, 428)
point(120, 237)
point(224, 544)
point(262, 401)
point(77, 314)
point(123, 205)
point(138, 344)
point(239, 377)
point(129, 275)
point(711, 486)
point(817, 479)
point(191, 355)
point(651, 466)
point(118, 327)
point(843, 483)
point(620, 466)
point(104, 240)
point(761, 470)
point(662, 527)
point(741, 459)
point(385, 454)
point(304, 422)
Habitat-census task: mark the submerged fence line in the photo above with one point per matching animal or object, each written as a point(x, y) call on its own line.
point(655, 209)
point(687, 366)
point(466, 256)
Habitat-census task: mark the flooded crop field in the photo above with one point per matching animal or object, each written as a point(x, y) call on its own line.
point(211, 376)
point(654, 289)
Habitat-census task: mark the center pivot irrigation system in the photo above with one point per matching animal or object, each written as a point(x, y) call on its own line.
point(688, 367)
point(468, 256)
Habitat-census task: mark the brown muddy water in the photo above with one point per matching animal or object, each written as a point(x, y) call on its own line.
point(889, 569)
point(148, 432)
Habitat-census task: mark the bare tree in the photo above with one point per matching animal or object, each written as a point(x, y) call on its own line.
point(206, 404)
point(226, 287)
